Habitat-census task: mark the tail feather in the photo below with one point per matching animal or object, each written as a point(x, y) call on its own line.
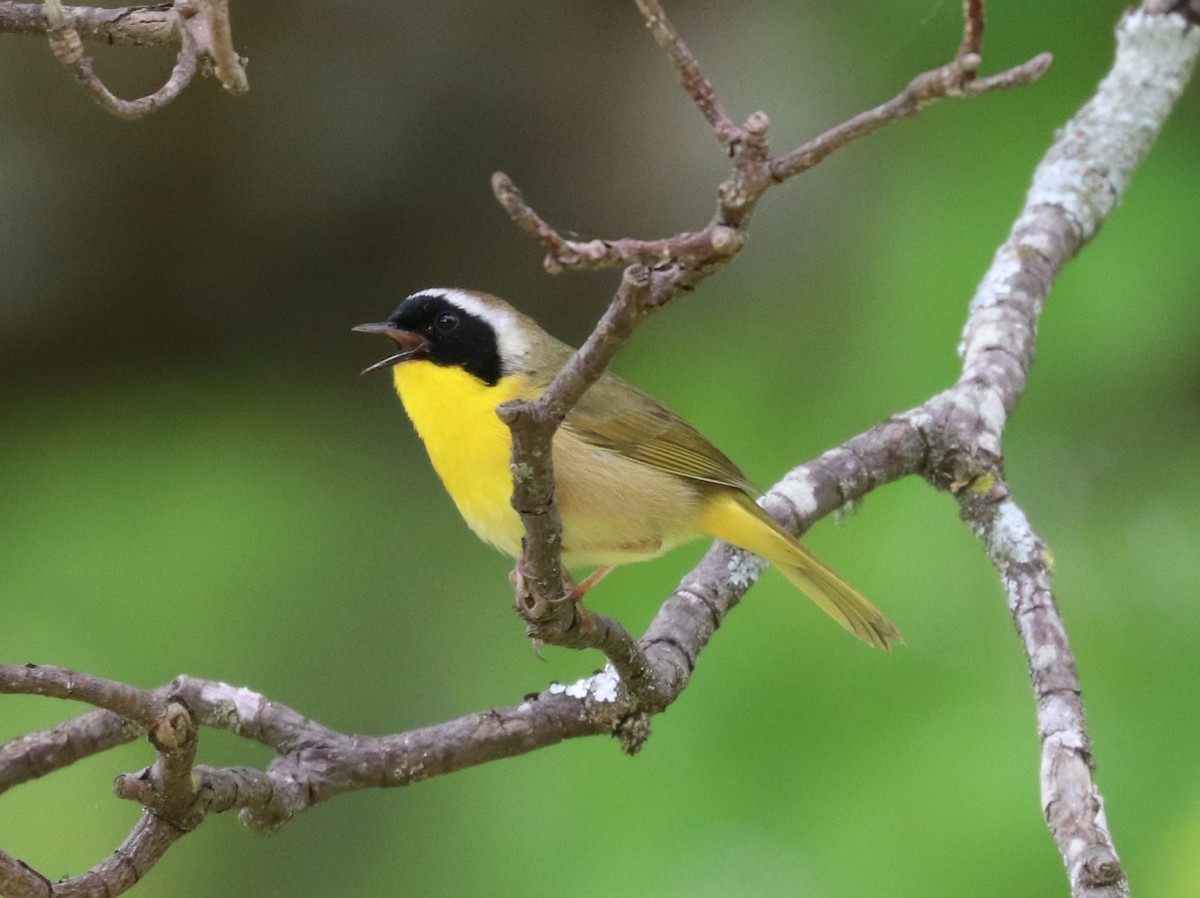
point(735, 518)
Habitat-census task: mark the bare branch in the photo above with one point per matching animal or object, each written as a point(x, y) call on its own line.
point(956, 78)
point(124, 868)
point(135, 26)
point(38, 754)
point(691, 248)
point(754, 170)
point(972, 42)
point(214, 39)
point(135, 705)
point(699, 88)
point(550, 616)
point(67, 46)
point(201, 29)
point(18, 880)
point(1075, 187)
point(1071, 801)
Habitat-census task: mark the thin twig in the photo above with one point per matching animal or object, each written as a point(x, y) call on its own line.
point(201, 28)
point(540, 600)
point(956, 78)
point(698, 87)
point(1071, 801)
point(690, 248)
point(755, 171)
point(214, 38)
point(67, 46)
point(135, 26)
point(38, 754)
point(144, 847)
point(972, 42)
point(137, 705)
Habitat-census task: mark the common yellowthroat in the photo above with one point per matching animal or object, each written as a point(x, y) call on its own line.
point(633, 478)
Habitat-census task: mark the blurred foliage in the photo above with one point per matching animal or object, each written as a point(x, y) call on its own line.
point(194, 478)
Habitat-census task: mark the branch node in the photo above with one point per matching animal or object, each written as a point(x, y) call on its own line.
point(725, 240)
point(633, 732)
point(1101, 867)
point(753, 147)
point(175, 729)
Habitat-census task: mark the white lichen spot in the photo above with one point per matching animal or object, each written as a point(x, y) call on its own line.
point(247, 703)
point(991, 410)
point(843, 512)
point(605, 684)
point(1073, 740)
point(601, 687)
point(578, 689)
point(920, 419)
point(1045, 656)
point(744, 568)
point(593, 250)
point(238, 705)
point(993, 415)
point(725, 240)
point(1005, 266)
point(987, 335)
point(1039, 242)
point(1011, 537)
point(799, 489)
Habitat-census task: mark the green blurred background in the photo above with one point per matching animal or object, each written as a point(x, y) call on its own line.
point(193, 477)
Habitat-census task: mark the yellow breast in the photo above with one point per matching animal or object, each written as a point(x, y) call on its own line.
point(614, 510)
point(454, 413)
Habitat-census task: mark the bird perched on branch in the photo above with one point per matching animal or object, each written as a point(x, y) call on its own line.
point(633, 479)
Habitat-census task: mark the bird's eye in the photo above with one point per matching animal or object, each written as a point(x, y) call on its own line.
point(446, 322)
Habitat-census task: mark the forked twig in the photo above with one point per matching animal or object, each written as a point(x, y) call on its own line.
point(200, 27)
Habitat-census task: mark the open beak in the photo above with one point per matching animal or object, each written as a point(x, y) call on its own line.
point(410, 344)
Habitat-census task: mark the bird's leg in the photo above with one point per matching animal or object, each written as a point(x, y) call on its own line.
point(531, 606)
point(578, 591)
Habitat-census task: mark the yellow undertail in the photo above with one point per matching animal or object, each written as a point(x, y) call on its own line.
point(735, 518)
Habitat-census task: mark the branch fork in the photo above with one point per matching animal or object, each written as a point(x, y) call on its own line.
point(200, 27)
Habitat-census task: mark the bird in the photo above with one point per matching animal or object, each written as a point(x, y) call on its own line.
point(632, 478)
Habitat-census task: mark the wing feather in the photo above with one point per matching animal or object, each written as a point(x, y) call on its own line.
point(616, 416)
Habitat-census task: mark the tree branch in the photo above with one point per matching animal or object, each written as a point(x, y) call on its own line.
point(200, 27)
point(135, 26)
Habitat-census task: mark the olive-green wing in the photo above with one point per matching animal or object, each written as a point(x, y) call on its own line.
point(620, 418)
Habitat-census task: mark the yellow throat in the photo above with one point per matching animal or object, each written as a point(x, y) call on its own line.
point(454, 414)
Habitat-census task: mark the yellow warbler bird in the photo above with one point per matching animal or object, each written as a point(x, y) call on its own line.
point(633, 478)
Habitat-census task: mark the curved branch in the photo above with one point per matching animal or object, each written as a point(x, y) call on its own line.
point(201, 28)
point(135, 26)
